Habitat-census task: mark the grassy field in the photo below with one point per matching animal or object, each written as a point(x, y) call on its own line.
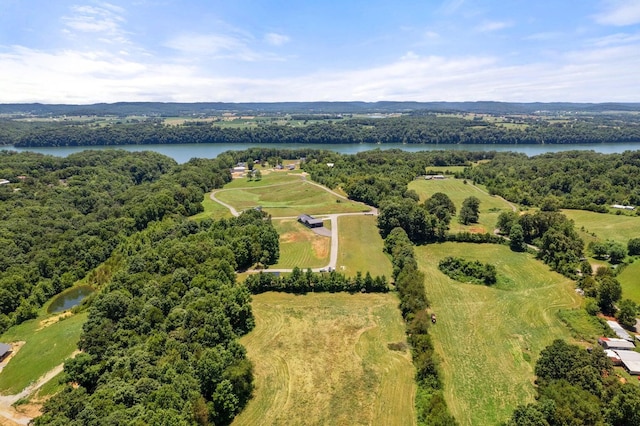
point(605, 226)
point(629, 281)
point(288, 199)
point(212, 210)
point(360, 247)
point(300, 246)
point(488, 339)
point(457, 191)
point(322, 359)
point(44, 349)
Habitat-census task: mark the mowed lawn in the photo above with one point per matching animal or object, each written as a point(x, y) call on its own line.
point(360, 247)
point(488, 339)
point(630, 282)
point(322, 359)
point(619, 228)
point(300, 246)
point(458, 191)
point(212, 210)
point(44, 349)
point(288, 199)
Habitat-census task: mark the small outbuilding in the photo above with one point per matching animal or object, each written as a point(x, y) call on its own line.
point(5, 350)
point(620, 332)
point(309, 221)
point(613, 356)
point(4, 182)
point(612, 343)
point(630, 361)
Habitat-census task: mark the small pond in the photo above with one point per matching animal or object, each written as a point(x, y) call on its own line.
point(69, 298)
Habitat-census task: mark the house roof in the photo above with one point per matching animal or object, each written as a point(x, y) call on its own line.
point(621, 332)
point(631, 360)
point(616, 343)
point(4, 348)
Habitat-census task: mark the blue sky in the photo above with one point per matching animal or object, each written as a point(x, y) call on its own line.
point(85, 51)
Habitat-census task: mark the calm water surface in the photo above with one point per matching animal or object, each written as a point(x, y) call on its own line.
point(182, 153)
point(69, 298)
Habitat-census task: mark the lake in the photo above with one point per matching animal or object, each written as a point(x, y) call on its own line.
point(69, 298)
point(182, 153)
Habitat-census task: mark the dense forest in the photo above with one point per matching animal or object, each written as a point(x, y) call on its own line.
point(574, 179)
point(160, 345)
point(413, 129)
point(62, 217)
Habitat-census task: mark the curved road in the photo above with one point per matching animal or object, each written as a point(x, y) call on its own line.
point(333, 256)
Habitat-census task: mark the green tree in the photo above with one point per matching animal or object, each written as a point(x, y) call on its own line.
point(609, 292)
point(633, 246)
point(516, 237)
point(470, 211)
point(441, 206)
point(627, 312)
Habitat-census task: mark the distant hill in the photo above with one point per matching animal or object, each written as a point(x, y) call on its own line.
point(171, 109)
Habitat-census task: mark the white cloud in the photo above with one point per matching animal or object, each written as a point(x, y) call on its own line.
point(103, 20)
point(616, 39)
point(598, 74)
point(490, 26)
point(276, 39)
point(620, 13)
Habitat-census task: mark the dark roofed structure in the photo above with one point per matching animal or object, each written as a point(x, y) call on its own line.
point(309, 221)
point(5, 350)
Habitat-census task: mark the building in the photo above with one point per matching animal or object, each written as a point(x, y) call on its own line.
point(630, 361)
point(4, 182)
point(309, 221)
point(239, 169)
point(613, 356)
point(611, 343)
point(620, 332)
point(620, 206)
point(5, 350)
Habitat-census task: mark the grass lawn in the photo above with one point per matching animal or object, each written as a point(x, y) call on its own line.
point(488, 339)
point(457, 191)
point(629, 281)
point(289, 199)
point(605, 226)
point(322, 359)
point(360, 247)
point(44, 349)
point(300, 246)
point(212, 210)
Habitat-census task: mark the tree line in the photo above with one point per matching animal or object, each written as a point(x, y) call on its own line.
point(416, 129)
point(300, 282)
point(409, 282)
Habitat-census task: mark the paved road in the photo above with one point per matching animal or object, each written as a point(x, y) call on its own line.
point(333, 255)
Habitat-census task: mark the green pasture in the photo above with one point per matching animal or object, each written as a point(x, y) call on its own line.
point(44, 349)
point(268, 178)
point(360, 247)
point(212, 210)
point(287, 200)
point(489, 338)
point(323, 359)
point(457, 191)
point(300, 246)
point(630, 281)
point(605, 226)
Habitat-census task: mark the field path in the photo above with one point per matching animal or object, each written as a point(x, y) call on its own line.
point(6, 401)
point(513, 206)
point(333, 256)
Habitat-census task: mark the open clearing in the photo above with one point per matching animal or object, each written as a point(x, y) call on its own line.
point(488, 339)
point(323, 359)
point(629, 281)
point(457, 191)
point(44, 349)
point(288, 199)
point(300, 246)
point(605, 226)
point(360, 247)
point(212, 210)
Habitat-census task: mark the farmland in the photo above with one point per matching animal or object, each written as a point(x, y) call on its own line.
point(605, 226)
point(44, 349)
point(629, 280)
point(290, 196)
point(457, 191)
point(300, 246)
point(488, 338)
point(360, 247)
point(324, 359)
